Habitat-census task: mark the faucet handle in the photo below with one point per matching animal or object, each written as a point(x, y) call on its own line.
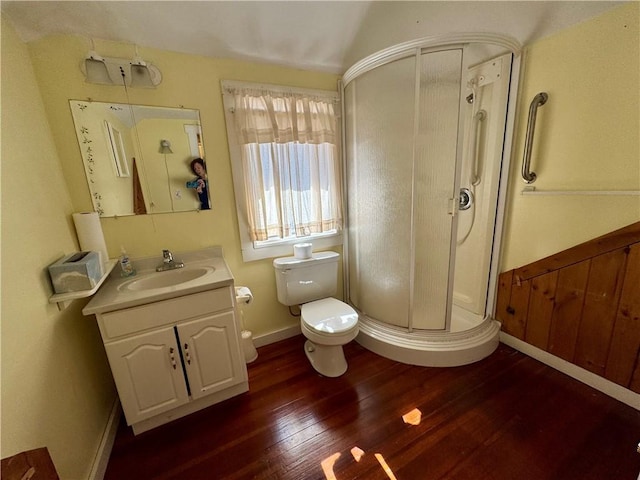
point(167, 256)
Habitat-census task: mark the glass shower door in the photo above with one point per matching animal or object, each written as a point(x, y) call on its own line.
point(401, 123)
point(379, 146)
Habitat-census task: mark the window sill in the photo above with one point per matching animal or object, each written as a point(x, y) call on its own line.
point(285, 248)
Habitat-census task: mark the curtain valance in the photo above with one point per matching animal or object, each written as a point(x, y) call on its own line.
point(263, 116)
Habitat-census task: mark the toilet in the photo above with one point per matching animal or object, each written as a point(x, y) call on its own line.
point(326, 322)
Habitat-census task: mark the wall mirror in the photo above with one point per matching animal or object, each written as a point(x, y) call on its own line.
point(137, 159)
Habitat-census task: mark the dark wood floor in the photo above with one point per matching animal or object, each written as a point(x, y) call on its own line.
point(506, 417)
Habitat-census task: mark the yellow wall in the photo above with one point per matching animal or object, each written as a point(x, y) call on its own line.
point(587, 136)
point(193, 82)
point(57, 389)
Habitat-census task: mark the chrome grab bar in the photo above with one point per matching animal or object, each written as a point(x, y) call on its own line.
point(539, 100)
point(477, 119)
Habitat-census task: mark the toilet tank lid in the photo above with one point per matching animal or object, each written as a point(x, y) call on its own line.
point(285, 263)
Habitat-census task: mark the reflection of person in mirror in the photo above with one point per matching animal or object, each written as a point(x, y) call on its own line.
point(200, 184)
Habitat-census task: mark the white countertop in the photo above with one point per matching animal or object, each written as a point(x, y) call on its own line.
point(112, 297)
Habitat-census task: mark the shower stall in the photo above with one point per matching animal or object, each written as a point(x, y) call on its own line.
point(427, 129)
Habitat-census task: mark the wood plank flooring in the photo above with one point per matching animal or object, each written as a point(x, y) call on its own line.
point(506, 417)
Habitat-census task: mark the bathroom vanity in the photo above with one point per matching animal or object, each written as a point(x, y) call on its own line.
point(172, 338)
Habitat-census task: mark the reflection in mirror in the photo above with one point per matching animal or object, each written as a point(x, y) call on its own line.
point(138, 159)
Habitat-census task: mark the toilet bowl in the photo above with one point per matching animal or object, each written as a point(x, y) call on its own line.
point(328, 324)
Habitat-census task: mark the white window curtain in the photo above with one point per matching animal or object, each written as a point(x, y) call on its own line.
point(290, 161)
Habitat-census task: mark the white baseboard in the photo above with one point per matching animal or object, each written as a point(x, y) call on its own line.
point(601, 384)
point(276, 336)
point(99, 467)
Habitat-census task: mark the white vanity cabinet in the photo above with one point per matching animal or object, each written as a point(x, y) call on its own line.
point(173, 357)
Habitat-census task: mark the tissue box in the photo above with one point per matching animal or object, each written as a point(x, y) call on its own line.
point(75, 272)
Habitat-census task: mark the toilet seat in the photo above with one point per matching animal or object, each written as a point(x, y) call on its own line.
point(329, 317)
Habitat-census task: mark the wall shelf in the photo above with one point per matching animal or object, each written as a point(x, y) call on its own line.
point(64, 299)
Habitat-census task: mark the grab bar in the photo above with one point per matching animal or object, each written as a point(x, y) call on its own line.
point(539, 100)
point(477, 119)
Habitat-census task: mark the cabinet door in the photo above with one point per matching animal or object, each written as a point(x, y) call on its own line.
point(211, 353)
point(148, 373)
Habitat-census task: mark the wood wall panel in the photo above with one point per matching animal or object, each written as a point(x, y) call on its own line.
point(625, 344)
point(541, 303)
point(567, 309)
point(517, 313)
point(582, 305)
point(504, 296)
point(599, 312)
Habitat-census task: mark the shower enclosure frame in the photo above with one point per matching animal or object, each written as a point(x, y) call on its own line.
point(442, 348)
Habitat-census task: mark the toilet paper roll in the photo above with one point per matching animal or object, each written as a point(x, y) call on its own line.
point(302, 250)
point(90, 236)
point(244, 295)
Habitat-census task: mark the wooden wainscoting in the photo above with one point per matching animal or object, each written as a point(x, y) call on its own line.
point(582, 305)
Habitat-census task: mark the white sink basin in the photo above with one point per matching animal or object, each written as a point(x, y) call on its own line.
point(170, 278)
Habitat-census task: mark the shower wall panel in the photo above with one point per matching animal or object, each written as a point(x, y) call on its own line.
point(476, 225)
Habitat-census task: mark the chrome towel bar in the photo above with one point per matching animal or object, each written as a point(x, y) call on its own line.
point(540, 99)
point(619, 193)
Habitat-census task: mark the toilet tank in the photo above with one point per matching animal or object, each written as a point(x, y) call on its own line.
point(305, 280)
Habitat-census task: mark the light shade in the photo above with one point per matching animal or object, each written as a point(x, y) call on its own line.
point(97, 71)
point(141, 76)
point(165, 146)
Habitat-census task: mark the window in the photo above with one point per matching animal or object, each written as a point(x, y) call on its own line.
point(285, 157)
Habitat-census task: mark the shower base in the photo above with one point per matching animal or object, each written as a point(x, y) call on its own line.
point(469, 341)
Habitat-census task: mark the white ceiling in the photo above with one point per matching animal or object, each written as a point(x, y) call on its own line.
point(316, 35)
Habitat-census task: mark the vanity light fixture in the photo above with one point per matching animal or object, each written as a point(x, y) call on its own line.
point(165, 146)
point(113, 71)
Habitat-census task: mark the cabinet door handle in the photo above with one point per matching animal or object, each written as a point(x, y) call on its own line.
point(186, 353)
point(172, 357)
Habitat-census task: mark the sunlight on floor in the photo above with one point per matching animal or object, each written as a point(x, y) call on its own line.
point(327, 466)
point(413, 417)
point(385, 467)
point(328, 463)
point(357, 453)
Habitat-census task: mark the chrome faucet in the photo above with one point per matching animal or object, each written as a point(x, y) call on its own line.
point(168, 263)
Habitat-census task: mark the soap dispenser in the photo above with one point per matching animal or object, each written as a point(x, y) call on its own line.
point(126, 268)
